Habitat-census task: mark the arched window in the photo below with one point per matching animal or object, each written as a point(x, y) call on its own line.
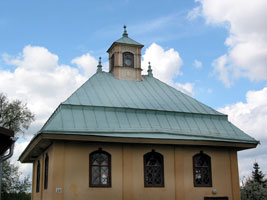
point(46, 172)
point(128, 59)
point(38, 177)
point(202, 170)
point(100, 169)
point(153, 169)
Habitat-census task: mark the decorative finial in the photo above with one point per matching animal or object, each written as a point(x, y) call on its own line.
point(149, 71)
point(99, 66)
point(125, 34)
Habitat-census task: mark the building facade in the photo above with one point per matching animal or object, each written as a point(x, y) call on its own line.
point(127, 136)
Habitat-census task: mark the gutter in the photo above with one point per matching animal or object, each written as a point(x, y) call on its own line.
point(5, 157)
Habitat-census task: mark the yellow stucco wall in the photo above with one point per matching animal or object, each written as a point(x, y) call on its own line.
point(69, 170)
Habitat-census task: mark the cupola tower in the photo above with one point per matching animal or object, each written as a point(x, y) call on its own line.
point(125, 58)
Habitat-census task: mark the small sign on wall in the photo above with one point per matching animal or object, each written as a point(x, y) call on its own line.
point(58, 190)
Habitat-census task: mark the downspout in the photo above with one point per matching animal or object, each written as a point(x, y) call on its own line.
point(3, 158)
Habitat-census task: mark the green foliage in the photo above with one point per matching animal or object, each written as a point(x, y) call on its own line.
point(254, 187)
point(12, 181)
point(14, 115)
point(16, 196)
point(13, 186)
point(257, 175)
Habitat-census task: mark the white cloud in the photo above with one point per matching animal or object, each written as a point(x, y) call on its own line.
point(34, 58)
point(197, 64)
point(223, 72)
point(186, 88)
point(18, 149)
point(40, 81)
point(87, 63)
point(247, 40)
point(194, 13)
point(251, 117)
point(165, 64)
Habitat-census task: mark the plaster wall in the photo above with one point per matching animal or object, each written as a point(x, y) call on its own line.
point(69, 170)
point(43, 193)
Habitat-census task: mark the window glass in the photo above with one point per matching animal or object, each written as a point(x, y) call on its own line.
point(100, 169)
point(202, 170)
point(128, 59)
point(153, 169)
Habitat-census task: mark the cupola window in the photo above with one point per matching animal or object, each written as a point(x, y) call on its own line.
point(128, 59)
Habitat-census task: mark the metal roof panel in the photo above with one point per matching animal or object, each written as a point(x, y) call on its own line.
point(91, 120)
point(102, 89)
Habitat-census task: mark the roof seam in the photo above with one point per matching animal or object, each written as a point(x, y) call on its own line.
point(158, 96)
point(114, 92)
point(144, 94)
point(205, 123)
point(165, 91)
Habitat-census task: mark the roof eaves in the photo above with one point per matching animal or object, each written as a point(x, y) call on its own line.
point(131, 44)
point(168, 134)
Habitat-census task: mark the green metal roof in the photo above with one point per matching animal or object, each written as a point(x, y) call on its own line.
point(103, 90)
point(105, 106)
point(126, 40)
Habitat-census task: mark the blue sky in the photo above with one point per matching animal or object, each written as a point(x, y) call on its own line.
point(216, 35)
point(69, 29)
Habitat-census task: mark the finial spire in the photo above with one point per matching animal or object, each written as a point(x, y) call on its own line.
point(125, 34)
point(149, 71)
point(99, 66)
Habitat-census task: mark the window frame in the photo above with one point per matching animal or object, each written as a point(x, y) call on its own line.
point(125, 54)
point(147, 156)
point(46, 167)
point(100, 151)
point(209, 170)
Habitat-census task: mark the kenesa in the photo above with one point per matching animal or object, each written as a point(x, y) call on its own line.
point(127, 136)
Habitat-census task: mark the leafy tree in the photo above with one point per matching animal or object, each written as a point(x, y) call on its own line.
point(254, 187)
point(12, 181)
point(14, 115)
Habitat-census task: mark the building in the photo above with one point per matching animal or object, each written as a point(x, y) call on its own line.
point(127, 136)
point(7, 141)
